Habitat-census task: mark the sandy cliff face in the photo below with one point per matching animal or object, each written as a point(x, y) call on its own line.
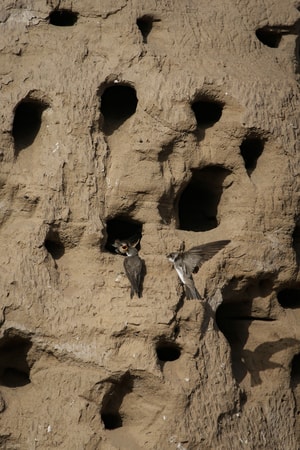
point(176, 121)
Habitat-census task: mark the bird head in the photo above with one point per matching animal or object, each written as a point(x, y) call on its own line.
point(131, 251)
point(172, 256)
point(120, 246)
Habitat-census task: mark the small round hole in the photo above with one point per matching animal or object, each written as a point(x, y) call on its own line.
point(168, 351)
point(111, 420)
point(207, 113)
point(63, 18)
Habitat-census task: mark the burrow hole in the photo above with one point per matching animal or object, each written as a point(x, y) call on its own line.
point(296, 240)
point(198, 203)
point(145, 24)
point(14, 364)
point(235, 332)
point(111, 415)
point(234, 319)
point(63, 18)
point(123, 229)
point(27, 123)
point(295, 386)
point(269, 36)
point(54, 245)
point(251, 149)
point(118, 103)
point(289, 298)
point(207, 112)
point(167, 351)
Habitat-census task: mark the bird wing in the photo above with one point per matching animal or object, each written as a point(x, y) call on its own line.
point(196, 256)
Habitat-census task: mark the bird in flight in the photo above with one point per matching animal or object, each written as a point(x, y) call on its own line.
point(187, 263)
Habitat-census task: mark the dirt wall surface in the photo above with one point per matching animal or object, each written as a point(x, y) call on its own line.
point(175, 121)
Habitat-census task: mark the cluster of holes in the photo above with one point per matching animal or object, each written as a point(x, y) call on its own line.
point(27, 122)
point(14, 366)
point(198, 203)
point(111, 412)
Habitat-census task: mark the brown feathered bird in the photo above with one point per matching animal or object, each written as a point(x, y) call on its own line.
point(186, 263)
point(133, 266)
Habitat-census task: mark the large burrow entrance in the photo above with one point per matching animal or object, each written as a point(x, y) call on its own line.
point(198, 203)
point(110, 411)
point(123, 229)
point(118, 103)
point(207, 111)
point(295, 386)
point(14, 364)
point(54, 245)
point(27, 123)
point(63, 18)
point(289, 298)
point(251, 149)
point(296, 240)
point(167, 351)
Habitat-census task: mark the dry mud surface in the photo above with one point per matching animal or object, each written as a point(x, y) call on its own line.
point(176, 121)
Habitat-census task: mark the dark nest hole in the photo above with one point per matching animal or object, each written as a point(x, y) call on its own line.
point(295, 381)
point(207, 112)
point(54, 245)
point(118, 103)
point(27, 123)
point(297, 54)
point(63, 18)
point(121, 228)
point(112, 401)
point(295, 375)
point(167, 351)
point(269, 36)
point(14, 367)
point(233, 321)
point(198, 203)
point(111, 421)
point(296, 241)
point(251, 149)
point(289, 298)
point(295, 386)
point(145, 24)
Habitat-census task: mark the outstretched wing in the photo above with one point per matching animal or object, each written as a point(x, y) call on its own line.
point(196, 256)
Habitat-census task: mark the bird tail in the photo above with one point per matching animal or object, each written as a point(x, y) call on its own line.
point(136, 291)
point(191, 292)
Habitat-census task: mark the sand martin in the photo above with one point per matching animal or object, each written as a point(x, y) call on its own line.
point(187, 263)
point(121, 245)
point(133, 266)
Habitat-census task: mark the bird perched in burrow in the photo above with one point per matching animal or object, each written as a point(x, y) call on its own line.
point(134, 267)
point(121, 245)
point(133, 264)
point(187, 263)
